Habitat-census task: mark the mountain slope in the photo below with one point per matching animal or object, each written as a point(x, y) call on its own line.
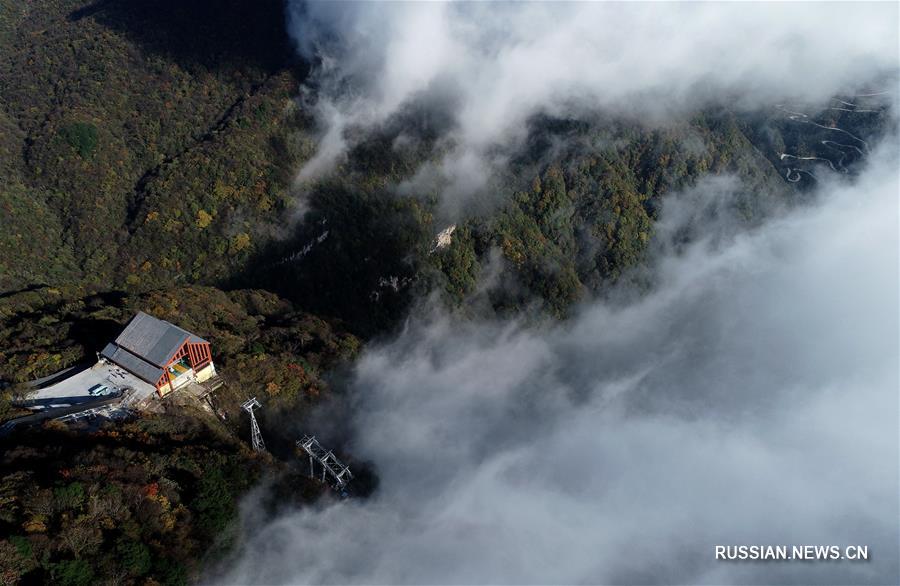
point(108, 107)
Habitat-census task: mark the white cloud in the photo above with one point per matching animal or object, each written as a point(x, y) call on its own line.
point(500, 63)
point(752, 398)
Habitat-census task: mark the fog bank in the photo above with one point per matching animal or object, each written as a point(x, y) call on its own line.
point(751, 399)
point(490, 66)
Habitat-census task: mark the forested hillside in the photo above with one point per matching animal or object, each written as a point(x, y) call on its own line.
point(138, 143)
point(144, 160)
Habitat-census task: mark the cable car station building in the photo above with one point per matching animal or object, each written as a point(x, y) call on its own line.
point(161, 354)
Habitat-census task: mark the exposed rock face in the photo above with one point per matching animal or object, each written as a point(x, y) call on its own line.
point(444, 237)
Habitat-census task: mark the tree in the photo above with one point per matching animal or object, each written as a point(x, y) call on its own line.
point(72, 573)
point(82, 136)
point(214, 502)
point(134, 556)
point(70, 496)
point(81, 537)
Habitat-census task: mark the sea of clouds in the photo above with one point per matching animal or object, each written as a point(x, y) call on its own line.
point(490, 66)
point(750, 398)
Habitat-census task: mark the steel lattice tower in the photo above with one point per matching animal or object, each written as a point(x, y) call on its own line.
point(256, 436)
point(330, 463)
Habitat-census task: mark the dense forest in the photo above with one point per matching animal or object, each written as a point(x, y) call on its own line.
point(149, 150)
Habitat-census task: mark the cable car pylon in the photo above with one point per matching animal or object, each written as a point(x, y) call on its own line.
point(255, 434)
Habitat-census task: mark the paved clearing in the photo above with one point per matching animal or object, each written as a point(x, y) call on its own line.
point(74, 390)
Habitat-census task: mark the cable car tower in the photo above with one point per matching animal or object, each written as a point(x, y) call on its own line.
point(255, 435)
point(331, 466)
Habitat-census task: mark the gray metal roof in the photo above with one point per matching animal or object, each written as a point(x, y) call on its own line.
point(139, 368)
point(154, 340)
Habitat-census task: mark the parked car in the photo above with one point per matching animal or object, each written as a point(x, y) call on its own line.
point(107, 391)
point(99, 390)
